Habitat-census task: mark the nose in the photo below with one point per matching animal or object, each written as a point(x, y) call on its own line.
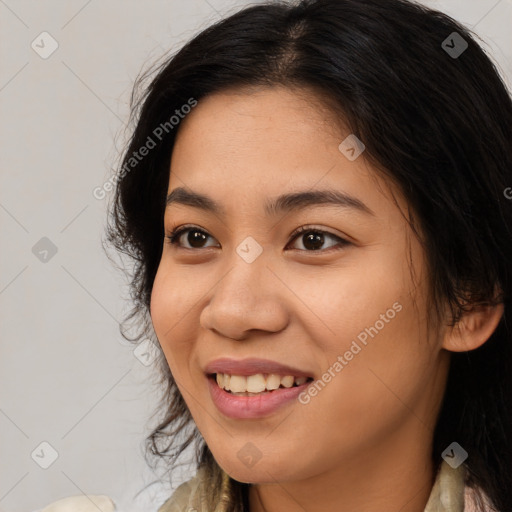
point(249, 297)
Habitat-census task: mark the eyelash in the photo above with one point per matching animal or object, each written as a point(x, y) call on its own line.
point(176, 232)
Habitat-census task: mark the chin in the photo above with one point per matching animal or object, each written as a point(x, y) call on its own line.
point(267, 471)
point(255, 476)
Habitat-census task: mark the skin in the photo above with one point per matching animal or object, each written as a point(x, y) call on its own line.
point(364, 442)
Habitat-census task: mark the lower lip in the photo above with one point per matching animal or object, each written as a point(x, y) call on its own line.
point(248, 407)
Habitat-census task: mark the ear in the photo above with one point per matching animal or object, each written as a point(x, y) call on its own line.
point(473, 329)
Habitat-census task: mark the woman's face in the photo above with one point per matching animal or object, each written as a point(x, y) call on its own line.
point(335, 303)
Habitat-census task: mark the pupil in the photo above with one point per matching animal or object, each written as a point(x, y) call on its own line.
point(316, 239)
point(196, 237)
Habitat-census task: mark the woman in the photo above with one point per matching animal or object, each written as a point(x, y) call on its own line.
point(315, 199)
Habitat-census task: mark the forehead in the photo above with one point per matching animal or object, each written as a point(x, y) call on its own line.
point(275, 108)
point(265, 141)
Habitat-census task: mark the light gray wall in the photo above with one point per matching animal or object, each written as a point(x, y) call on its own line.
point(66, 376)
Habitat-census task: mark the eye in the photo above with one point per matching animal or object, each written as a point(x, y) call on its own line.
point(312, 238)
point(196, 237)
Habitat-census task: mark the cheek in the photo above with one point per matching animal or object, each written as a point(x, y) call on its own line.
point(386, 362)
point(171, 299)
point(347, 299)
point(169, 307)
point(366, 314)
point(161, 306)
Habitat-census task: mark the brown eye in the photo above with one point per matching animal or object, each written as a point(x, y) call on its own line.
point(313, 239)
point(195, 237)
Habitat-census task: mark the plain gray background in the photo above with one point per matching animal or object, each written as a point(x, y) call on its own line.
point(67, 376)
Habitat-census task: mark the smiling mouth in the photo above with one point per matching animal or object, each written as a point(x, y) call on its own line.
point(257, 384)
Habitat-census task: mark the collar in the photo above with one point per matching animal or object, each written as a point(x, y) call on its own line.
point(448, 492)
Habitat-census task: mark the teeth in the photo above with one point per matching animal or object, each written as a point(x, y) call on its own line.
point(287, 381)
point(255, 383)
point(273, 381)
point(238, 383)
point(258, 383)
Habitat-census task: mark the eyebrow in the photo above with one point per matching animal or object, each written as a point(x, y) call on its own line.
point(275, 206)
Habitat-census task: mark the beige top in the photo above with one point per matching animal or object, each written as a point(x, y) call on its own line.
point(449, 494)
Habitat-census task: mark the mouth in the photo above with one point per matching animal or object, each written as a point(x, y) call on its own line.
point(254, 388)
point(252, 397)
point(256, 384)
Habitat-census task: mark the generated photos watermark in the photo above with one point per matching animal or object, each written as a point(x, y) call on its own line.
point(343, 360)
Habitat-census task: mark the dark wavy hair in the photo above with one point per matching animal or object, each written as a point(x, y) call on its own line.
point(438, 125)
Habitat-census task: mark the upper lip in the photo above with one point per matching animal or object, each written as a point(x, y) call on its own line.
point(252, 366)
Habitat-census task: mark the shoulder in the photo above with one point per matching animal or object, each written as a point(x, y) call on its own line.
point(90, 503)
point(183, 496)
